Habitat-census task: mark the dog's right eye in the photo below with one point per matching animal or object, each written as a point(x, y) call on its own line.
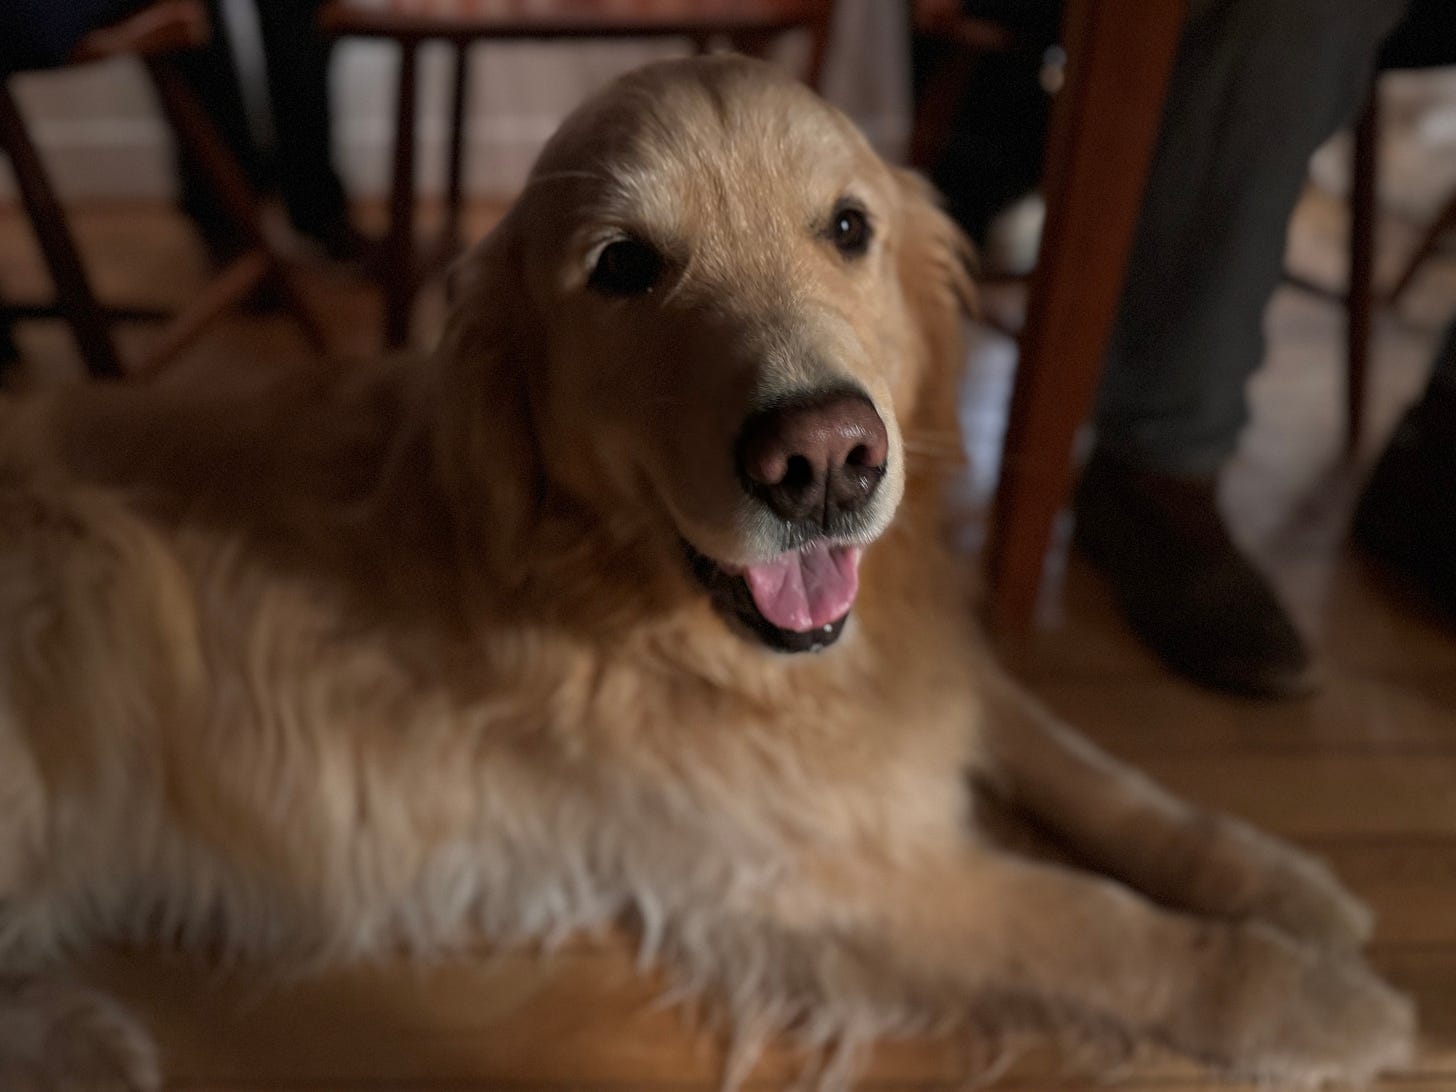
point(628, 267)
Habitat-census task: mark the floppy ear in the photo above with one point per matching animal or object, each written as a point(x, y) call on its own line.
point(485, 438)
point(935, 265)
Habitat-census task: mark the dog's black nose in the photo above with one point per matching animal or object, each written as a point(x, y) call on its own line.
point(814, 458)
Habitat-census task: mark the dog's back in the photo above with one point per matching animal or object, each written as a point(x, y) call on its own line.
point(164, 551)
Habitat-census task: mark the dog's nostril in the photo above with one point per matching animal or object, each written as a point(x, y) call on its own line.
point(799, 474)
point(860, 456)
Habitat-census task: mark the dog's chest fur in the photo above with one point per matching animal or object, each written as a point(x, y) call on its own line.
point(296, 777)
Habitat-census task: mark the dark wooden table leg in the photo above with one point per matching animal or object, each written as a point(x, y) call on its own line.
point(399, 276)
point(88, 319)
point(1360, 285)
point(1104, 128)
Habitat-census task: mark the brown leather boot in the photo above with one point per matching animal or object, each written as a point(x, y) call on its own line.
point(1184, 586)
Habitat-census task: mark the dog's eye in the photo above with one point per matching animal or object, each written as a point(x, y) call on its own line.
point(849, 231)
point(628, 267)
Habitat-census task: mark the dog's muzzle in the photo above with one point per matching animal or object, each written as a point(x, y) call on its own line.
point(814, 463)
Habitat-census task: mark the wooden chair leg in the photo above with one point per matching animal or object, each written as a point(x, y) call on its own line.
point(1444, 223)
point(454, 177)
point(1104, 129)
point(88, 319)
point(399, 246)
point(191, 123)
point(1359, 292)
point(819, 35)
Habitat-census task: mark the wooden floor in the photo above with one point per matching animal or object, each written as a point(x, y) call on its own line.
point(1364, 773)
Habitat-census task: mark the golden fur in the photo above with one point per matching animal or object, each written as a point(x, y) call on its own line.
point(409, 655)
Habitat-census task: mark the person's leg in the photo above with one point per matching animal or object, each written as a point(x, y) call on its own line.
point(297, 59)
point(212, 74)
point(1257, 86)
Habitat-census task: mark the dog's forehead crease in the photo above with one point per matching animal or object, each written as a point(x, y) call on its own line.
point(720, 143)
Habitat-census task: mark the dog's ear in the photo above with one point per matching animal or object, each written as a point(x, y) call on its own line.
point(935, 266)
point(488, 360)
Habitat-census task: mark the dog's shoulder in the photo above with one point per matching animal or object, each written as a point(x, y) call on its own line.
point(231, 438)
point(280, 464)
point(257, 456)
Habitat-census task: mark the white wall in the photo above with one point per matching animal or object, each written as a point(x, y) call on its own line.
point(101, 135)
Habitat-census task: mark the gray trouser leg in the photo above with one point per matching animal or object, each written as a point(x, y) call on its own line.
point(1257, 86)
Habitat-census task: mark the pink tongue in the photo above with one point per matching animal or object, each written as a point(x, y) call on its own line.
point(807, 588)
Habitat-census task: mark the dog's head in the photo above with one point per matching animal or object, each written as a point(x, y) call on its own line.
point(707, 318)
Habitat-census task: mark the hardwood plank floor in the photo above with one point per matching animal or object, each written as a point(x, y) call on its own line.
point(1364, 773)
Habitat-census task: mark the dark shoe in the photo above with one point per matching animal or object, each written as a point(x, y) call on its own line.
point(1406, 519)
point(1185, 588)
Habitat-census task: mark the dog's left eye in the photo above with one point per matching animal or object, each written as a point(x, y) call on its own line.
point(849, 230)
point(628, 267)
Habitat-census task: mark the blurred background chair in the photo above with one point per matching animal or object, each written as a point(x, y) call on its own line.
point(1414, 45)
point(748, 25)
point(155, 35)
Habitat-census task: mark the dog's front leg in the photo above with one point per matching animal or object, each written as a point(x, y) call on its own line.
point(981, 927)
point(1123, 823)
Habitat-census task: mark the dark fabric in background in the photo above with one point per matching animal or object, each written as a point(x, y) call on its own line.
point(297, 162)
point(993, 154)
point(42, 33)
point(996, 149)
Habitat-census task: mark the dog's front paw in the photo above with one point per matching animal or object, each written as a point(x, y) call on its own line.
point(1342, 1024)
point(56, 1037)
point(1293, 891)
point(1302, 1018)
point(1300, 896)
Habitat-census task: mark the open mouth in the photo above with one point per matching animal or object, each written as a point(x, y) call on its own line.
point(795, 602)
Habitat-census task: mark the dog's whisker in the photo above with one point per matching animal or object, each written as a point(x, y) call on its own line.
point(935, 456)
point(922, 436)
point(948, 449)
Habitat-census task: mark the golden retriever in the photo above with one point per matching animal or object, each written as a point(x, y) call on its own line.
point(631, 605)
